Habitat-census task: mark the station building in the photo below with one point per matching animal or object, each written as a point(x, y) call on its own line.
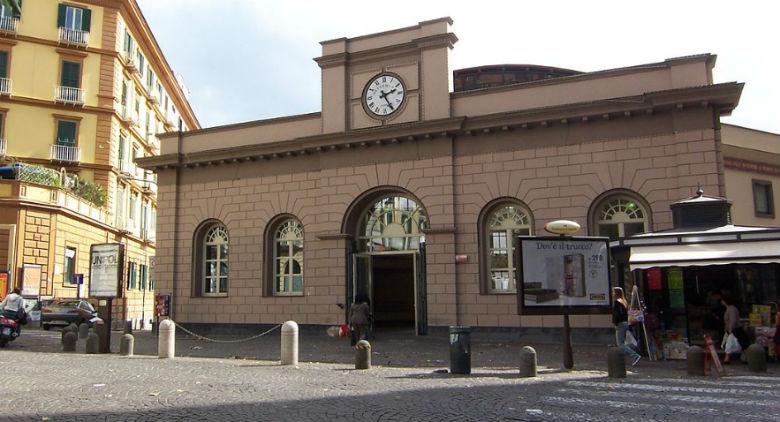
point(412, 180)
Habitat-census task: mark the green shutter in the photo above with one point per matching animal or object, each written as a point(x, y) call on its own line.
point(3, 64)
point(66, 133)
point(61, 16)
point(71, 74)
point(86, 20)
point(17, 13)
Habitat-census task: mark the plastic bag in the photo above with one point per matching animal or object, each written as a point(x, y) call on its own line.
point(732, 345)
point(630, 340)
point(343, 330)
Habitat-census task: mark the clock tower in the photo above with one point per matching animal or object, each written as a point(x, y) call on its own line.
point(398, 76)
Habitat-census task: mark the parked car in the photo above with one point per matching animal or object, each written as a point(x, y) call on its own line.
point(66, 311)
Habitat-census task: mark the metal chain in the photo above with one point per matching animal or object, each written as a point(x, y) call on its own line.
point(196, 335)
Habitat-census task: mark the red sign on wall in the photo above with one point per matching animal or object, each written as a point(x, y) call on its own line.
point(654, 279)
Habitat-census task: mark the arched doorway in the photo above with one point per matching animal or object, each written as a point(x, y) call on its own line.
point(387, 259)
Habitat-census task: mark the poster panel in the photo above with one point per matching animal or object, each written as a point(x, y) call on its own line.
point(31, 280)
point(563, 275)
point(105, 270)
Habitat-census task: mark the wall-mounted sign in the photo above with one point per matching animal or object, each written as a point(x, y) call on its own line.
point(31, 280)
point(563, 275)
point(162, 305)
point(105, 270)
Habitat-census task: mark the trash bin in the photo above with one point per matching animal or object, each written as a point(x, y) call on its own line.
point(460, 350)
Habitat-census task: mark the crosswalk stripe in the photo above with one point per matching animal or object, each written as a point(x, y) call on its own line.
point(673, 388)
point(632, 405)
point(673, 397)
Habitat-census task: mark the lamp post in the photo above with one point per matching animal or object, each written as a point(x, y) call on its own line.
point(564, 228)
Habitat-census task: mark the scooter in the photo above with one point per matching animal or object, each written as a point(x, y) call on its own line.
point(8, 330)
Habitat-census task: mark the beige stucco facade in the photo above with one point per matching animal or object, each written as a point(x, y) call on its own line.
point(557, 148)
point(750, 157)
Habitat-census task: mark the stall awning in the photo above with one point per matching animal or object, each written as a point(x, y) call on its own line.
point(702, 254)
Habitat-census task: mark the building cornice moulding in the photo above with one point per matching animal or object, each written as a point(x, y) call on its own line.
point(722, 97)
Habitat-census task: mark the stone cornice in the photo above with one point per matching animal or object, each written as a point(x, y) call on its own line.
point(414, 46)
point(390, 135)
point(722, 97)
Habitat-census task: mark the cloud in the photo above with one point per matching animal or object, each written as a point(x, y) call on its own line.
point(250, 59)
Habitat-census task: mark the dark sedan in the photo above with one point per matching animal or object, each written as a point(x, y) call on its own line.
point(65, 311)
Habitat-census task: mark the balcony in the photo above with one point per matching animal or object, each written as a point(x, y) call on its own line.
point(3, 145)
point(124, 113)
point(74, 37)
point(154, 96)
point(65, 153)
point(126, 167)
point(5, 86)
point(148, 234)
point(69, 95)
point(8, 24)
point(154, 143)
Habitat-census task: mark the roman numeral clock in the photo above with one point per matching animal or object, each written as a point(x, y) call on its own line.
point(384, 95)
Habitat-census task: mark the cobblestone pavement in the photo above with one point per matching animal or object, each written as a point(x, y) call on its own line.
point(59, 386)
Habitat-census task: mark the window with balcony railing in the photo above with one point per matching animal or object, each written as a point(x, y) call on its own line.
point(69, 90)
point(64, 148)
point(9, 19)
point(74, 25)
point(5, 82)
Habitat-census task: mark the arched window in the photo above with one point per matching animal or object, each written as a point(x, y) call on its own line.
point(214, 258)
point(500, 224)
point(288, 258)
point(392, 223)
point(620, 216)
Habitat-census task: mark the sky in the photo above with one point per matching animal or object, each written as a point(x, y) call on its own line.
point(246, 60)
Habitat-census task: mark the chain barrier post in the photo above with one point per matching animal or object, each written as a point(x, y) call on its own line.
point(127, 345)
point(166, 346)
point(290, 343)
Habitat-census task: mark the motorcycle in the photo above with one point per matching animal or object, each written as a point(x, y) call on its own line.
point(8, 330)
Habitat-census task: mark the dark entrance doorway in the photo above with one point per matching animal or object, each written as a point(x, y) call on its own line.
point(393, 291)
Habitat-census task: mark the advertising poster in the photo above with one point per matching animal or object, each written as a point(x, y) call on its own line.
point(674, 280)
point(105, 270)
point(563, 275)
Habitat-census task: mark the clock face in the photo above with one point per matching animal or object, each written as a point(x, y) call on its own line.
point(384, 95)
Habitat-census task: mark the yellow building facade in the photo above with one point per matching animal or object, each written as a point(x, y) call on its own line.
point(84, 91)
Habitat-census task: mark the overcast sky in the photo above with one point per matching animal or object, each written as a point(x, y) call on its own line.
point(252, 59)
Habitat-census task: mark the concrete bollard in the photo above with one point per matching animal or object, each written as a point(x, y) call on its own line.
point(93, 344)
point(72, 327)
point(363, 355)
point(527, 362)
point(166, 345)
point(695, 360)
point(616, 363)
point(756, 358)
point(290, 343)
point(69, 341)
point(83, 330)
point(126, 345)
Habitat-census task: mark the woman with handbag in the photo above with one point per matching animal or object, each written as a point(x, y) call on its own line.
point(732, 338)
point(620, 320)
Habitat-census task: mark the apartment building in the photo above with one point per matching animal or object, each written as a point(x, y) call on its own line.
point(84, 90)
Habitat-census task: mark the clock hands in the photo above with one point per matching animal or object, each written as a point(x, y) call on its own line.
point(384, 95)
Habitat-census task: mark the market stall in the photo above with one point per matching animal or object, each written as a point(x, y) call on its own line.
point(683, 274)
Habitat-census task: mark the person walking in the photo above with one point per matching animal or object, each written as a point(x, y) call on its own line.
point(359, 318)
point(731, 325)
point(620, 320)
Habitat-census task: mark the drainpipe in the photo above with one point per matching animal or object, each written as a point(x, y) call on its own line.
point(175, 265)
